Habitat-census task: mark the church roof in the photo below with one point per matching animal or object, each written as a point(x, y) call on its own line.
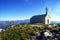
point(39, 16)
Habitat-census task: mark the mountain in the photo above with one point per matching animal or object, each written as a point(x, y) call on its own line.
point(54, 22)
point(5, 24)
point(21, 21)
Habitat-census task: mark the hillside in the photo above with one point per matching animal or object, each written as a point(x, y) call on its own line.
point(24, 31)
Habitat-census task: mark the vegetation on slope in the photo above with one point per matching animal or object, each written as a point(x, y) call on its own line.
point(22, 32)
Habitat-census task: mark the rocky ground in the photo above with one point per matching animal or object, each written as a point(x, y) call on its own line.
point(55, 35)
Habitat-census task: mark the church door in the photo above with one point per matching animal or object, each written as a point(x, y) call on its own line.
point(47, 21)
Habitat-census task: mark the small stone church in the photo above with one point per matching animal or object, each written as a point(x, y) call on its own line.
point(44, 18)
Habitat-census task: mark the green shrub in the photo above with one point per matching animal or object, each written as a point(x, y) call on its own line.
point(22, 32)
point(19, 32)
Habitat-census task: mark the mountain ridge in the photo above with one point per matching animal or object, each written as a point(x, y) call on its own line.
point(5, 24)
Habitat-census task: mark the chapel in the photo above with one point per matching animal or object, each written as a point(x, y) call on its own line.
point(44, 18)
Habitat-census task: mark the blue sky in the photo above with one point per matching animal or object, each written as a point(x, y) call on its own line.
point(25, 9)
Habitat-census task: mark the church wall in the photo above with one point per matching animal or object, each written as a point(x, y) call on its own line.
point(47, 18)
point(43, 20)
point(37, 20)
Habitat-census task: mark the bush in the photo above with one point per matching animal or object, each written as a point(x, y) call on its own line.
point(22, 32)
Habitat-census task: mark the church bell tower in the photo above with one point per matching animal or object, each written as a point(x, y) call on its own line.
point(46, 10)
